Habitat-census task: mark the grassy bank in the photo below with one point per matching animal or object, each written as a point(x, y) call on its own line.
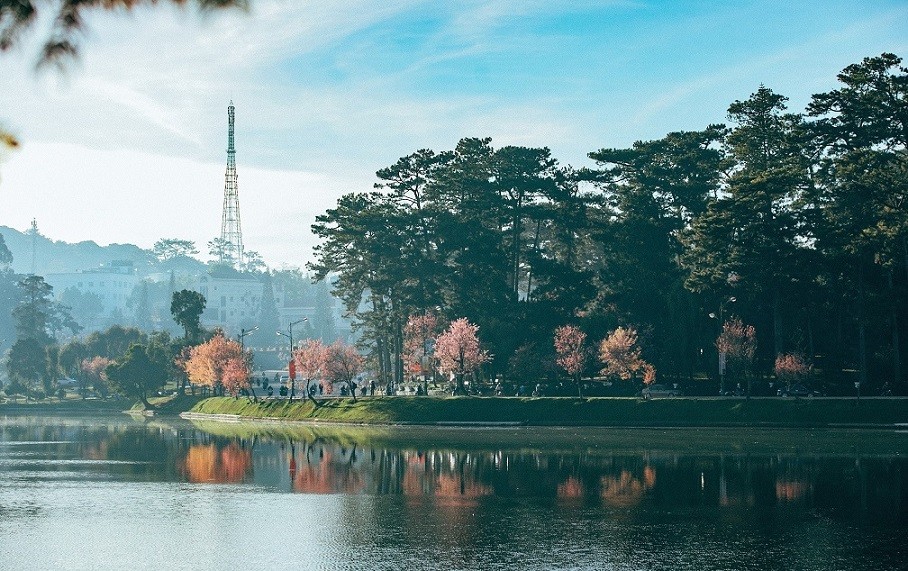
point(73, 406)
point(813, 412)
point(169, 405)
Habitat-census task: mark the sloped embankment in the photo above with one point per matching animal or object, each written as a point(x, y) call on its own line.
point(770, 412)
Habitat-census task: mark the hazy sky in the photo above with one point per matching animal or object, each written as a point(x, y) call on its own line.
point(128, 144)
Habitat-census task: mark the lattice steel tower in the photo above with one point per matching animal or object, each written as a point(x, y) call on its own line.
point(231, 232)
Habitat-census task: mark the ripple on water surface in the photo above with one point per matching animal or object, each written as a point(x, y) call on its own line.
point(128, 495)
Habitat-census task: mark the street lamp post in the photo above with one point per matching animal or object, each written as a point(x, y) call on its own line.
point(722, 355)
point(244, 333)
point(242, 336)
point(289, 335)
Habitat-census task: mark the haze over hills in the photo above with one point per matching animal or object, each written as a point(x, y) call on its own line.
point(55, 256)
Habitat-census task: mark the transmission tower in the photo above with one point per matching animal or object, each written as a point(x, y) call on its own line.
point(231, 232)
point(34, 233)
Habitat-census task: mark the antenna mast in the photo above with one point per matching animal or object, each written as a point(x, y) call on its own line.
point(231, 232)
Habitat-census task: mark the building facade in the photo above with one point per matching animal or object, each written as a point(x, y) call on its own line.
point(112, 284)
point(231, 303)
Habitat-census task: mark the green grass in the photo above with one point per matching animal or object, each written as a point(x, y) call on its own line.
point(572, 412)
point(170, 404)
point(167, 405)
point(65, 406)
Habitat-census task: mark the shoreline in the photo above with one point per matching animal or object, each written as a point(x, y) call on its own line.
point(889, 413)
point(239, 419)
point(492, 412)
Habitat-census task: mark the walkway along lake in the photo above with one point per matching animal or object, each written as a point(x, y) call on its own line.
point(119, 493)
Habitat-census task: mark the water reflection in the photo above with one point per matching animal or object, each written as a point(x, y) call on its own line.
point(441, 499)
point(311, 462)
point(449, 476)
point(210, 463)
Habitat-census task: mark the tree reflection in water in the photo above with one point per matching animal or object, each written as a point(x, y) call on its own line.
point(483, 499)
point(457, 478)
point(228, 464)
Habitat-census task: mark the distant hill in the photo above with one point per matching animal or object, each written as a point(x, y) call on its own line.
point(60, 257)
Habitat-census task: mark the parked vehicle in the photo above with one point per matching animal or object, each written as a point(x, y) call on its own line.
point(660, 391)
point(798, 390)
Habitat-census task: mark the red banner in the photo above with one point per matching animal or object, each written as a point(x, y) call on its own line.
point(291, 369)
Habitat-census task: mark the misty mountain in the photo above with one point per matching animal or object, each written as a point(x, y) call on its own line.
point(52, 256)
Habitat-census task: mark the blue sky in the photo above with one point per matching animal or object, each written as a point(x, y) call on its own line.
point(127, 145)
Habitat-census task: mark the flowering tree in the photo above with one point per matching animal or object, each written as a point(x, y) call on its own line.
point(739, 344)
point(419, 336)
point(649, 374)
point(344, 363)
point(220, 364)
point(94, 370)
point(571, 351)
point(236, 377)
point(621, 355)
point(458, 351)
point(312, 363)
point(790, 368)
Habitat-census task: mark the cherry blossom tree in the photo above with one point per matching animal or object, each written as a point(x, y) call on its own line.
point(236, 377)
point(312, 363)
point(571, 352)
point(94, 370)
point(220, 364)
point(420, 333)
point(621, 355)
point(791, 367)
point(343, 364)
point(458, 350)
point(739, 344)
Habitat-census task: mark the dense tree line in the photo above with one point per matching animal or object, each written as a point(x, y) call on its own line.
point(794, 223)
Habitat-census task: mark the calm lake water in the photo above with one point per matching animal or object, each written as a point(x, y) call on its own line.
point(117, 493)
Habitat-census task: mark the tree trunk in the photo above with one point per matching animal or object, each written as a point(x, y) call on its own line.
point(535, 250)
point(398, 351)
point(896, 354)
point(810, 343)
point(840, 342)
point(862, 340)
point(382, 369)
point(778, 346)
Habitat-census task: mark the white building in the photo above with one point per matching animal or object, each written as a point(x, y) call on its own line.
point(231, 303)
point(113, 283)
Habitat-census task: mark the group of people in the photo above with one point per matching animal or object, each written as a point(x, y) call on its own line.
point(521, 391)
point(365, 390)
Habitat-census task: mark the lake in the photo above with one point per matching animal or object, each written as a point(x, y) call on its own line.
point(118, 493)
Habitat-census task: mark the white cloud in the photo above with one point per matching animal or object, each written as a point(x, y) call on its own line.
point(329, 92)
point(81, 194)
